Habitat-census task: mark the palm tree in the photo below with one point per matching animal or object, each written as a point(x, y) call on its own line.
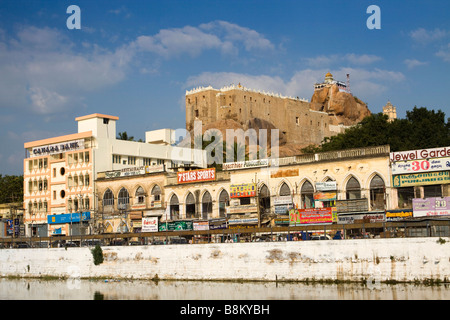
point(124, 136)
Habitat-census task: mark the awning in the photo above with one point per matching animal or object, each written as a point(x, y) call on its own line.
point(152, 213)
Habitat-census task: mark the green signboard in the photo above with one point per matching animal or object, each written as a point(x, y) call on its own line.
point(416, 179)
point(176, 226)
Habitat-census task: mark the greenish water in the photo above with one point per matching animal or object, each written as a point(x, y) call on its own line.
point(76, 289)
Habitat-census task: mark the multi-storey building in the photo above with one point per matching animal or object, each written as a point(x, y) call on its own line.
point(59, 172)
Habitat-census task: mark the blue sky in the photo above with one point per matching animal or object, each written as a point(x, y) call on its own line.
point(136, 59)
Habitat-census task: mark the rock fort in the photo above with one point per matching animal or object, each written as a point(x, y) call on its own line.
point(300, 122)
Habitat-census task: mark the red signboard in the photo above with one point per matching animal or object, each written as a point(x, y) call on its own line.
point(197, 175)
point(310, 216)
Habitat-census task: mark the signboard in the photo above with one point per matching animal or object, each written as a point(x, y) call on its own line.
point(282, 200)
point(150, 224)
point(431, 207)
point(249, 208)
point(242, 190)
point(219, 223)
point(396, 215)
point(201, 225)
point(424, 165)
point(176, 226)
point(325, 196)
point(245, 164)
point(409, 180)
point(68, 217)
point(326, 186)
point(243, 221)
point(197, 175)
point(310, 216)
point(358, 218)
point(283, 208)
point(58, 148)
point(352, 205)
point(135, 171)
point(420, 154)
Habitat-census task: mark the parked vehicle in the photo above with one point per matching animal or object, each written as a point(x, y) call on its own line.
point(157, 242)
point(178, 240)
point(322, 237)
point(91, 243)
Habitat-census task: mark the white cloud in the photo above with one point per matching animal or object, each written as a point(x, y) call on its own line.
point(42, 71)
point(350, 58)
point(412, 63)
point(223, 36)
point(444, 53)
point(424, 36)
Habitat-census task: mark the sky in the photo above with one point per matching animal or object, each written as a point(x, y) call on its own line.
point(135, 59)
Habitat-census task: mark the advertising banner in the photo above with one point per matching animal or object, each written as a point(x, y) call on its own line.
point(326, 186)
point(176, 226)
point(219, 223)
point(358, 218)
point(201, 225)
point(197, 175)
point(68, 217)
point(396, 215)
point(420, 154)
point(248, 208)
point(245, 164)
point(243, 221)
point(310, 216)
point(431, 207)
point(352, 205)
point(150, 224)
point(242, 190)
point(410, 180)
point(325, 196)
point(424, 165)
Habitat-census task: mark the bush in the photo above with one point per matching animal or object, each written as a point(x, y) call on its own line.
point(97, 253)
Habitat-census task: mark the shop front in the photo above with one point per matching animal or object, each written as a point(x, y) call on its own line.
point(68, 224)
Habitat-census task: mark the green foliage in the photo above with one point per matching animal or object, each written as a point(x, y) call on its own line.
point(124, 136)
point(11, 189)
point(421, 129)
point(97, 253)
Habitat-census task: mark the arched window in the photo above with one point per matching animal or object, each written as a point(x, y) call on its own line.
point(140, 195)
point(123, 199)
point(190, 206)
point(353, 189)
point(307, 195)
point(285, 190)
point(377, 193)
point(264, 199)
point(108, 198)
point(206, 205)
point(174, 208)
point(156, 193)
point(224, 201)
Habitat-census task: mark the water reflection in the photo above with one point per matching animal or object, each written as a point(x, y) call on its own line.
point(74, 289)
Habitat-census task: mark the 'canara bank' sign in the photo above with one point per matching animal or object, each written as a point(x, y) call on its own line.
point(58, 148)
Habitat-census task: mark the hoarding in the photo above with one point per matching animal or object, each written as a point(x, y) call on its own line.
point(326, 186)
point(200, 225)
point(245, 164)
point(68, 217)
point(58, 148)
point(416, 179)
point(197, 175)
point(150, 224)
point(248, 208)
point(310, 216)
point(219, 223)
point(431, 207)
point(176, 226)
point(352, 205)
point(420, 154)
point(242, 190)
point(135, 171)
point(424, 165)
point(396, 215)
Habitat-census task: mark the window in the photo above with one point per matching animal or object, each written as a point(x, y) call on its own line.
point(108, 198)
point(224, 201)
point(174, 208)
point(307, 195)
point(117, 158)
point(54, 172)
point(86, 180)
point(196, 113)
point(432, 191)
point(123, 199)
point(377, 193)
point(405, 196)
point(86, 156)
point(156, 193)
point(353, 189)
point(132, 160)
point(264, 199)
point(140, 195)
point(206, 205)
point(190, 206)
point(147, 161)
point(297, 121)
point(285, 190)
point(54, 194)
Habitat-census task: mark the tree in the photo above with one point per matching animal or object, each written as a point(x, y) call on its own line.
point(11, 188)
point(421, 129)
point(124, 136)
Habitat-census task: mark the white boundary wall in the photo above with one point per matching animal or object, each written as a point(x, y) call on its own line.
point(401, 259)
